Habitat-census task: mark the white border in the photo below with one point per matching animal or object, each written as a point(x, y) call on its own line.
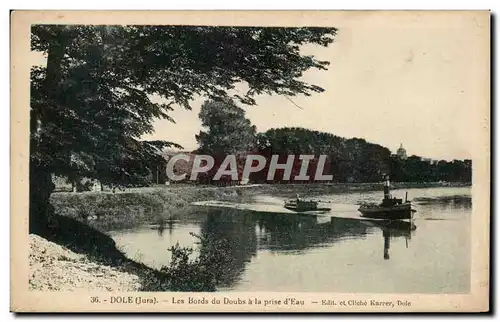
point(188, 4)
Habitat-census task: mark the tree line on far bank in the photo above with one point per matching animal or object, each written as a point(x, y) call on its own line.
point(228, 131)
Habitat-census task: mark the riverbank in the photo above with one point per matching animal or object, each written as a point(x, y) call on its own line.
point(83, 220)
point(56, 268)
point(72, 255)
point(107, 211)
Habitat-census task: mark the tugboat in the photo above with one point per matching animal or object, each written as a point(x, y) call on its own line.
point(390, 208)
point(300, 205)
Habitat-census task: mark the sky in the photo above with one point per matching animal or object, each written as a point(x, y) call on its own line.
point(417, 80)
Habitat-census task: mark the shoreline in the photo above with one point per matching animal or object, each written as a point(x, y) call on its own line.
point(107, 211)
point(95, 214)
point(56, 268)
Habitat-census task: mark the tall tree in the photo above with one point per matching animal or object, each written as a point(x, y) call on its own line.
point(93, 100)
point(228, 130)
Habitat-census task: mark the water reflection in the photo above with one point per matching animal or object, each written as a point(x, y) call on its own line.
point(336, 254)
point(395, 230)
point(443, 207)
point(279, 232)
point(455, 202)
point(297, 233)
point(165, 224)
point(249, 232)
point(387, 243)
point(239, 233)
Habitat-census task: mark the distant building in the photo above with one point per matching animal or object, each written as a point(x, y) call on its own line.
point(401, 153)
point(96, 186)
point(429, 160)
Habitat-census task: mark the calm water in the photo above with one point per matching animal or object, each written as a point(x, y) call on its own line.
point(284, 252)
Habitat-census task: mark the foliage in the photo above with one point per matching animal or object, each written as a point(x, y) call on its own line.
point(415, 169)
point(356, 160)
point(348, 160)
point(93, 100)
point(228, 131)
point(103, 86)
point(202, 273)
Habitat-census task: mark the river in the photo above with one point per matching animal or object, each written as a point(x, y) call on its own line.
point(276, 252)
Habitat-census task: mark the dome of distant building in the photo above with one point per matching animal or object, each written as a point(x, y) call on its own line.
point(401, 153)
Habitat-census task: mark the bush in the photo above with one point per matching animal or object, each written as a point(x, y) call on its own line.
point(202, 274)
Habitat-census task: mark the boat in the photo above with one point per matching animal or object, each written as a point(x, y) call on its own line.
point(395, 211)
point(300, 205)
point(390, 208)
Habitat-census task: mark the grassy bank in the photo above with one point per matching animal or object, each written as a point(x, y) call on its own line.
point(112, 211)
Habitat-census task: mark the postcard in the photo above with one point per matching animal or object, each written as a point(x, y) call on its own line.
point(250, 161)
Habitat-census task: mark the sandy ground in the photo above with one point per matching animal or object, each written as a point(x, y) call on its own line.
point(55, 268)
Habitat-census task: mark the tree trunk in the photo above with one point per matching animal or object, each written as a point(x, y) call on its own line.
point(40, 180)
point(41, 186)
point(76, 183)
